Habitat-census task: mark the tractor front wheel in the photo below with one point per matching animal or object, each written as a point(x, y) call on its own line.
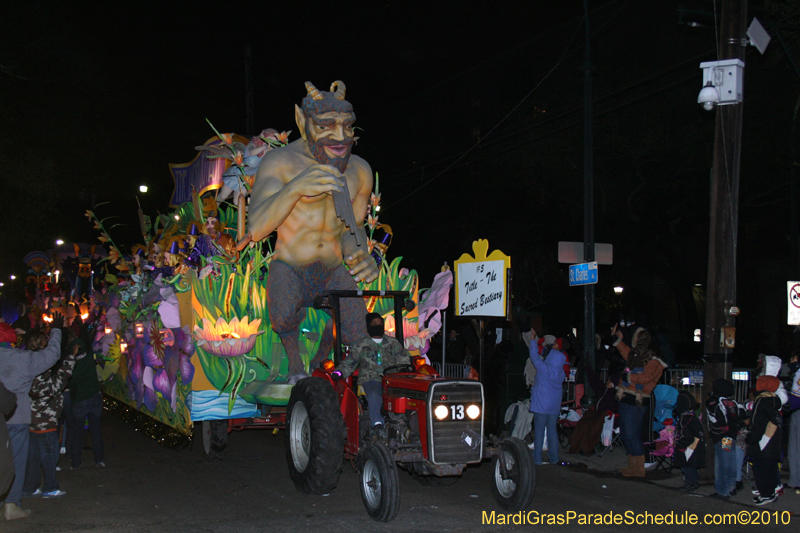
point(380, 486)
point(513, 487)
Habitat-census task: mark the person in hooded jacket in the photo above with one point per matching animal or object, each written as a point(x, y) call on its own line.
point(46, 407)
point(764, 440)
point(633, 413)
point(546, 397)
point(690, 442)
point(771, 366)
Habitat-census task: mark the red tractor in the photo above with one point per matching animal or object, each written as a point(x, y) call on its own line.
point(434, 429)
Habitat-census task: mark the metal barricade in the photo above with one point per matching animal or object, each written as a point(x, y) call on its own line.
point(690, 379)
point(452, 370)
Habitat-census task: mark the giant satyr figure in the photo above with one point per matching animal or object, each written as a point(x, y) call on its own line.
point(293, 194)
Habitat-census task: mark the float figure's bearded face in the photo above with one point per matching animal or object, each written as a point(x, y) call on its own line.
point(328, 125)
point(330, 138)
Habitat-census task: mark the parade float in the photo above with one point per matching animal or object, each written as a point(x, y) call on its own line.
point(181, 328)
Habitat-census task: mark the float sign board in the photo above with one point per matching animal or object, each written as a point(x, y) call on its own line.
point(583, 274)
point(481, 289)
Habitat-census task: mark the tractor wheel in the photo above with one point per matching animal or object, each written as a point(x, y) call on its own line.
point(215, 438)
point(514, 492)
point(380, 486)
point(314, 436)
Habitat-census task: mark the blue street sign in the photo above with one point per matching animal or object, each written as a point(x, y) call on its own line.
point(583, 274)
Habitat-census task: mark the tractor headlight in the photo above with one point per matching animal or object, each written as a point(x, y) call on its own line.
point(440, 412)
point(473, 411)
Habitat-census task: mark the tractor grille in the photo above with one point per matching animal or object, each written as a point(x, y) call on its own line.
point(457, 438)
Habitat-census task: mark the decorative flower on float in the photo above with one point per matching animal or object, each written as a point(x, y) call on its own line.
point(228, 339)
point(154, 362)
point(170, 352)
point(140, 377)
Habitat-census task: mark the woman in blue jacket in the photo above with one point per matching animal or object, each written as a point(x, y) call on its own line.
point(546, 397)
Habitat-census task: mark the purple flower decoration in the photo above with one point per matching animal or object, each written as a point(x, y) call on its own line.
point(155, 362)
point(140, 377)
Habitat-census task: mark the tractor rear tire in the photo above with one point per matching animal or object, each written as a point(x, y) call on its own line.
point(380, 486)
point(515, 492)
point(314, 436)
point(215, 438)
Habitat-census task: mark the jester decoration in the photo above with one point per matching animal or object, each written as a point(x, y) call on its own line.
point(293, 194)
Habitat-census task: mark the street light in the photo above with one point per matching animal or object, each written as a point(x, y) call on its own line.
point(13, 277)
point(59, 242)
point(142, 188)
point(618, 290)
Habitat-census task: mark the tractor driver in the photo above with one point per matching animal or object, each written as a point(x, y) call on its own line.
point(372, 355)
point(292, 195)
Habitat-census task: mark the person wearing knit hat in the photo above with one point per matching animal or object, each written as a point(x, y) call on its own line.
point(546, 396)
point(18, 368)
point(765, 438)
point(372, 355)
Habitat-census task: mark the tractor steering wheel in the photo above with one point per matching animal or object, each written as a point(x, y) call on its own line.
point(397, 369)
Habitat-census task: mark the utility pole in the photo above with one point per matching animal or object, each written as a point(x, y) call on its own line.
point(724, 216)
point(248, 83)
point(588, 214)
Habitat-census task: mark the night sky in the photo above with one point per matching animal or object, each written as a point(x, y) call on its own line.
point(470, 112)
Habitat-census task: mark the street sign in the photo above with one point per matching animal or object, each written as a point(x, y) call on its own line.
point(695, 377)
point(583, 274)
point(572, 252)
point(793, 304)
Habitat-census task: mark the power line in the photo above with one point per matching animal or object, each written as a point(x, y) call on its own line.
point(558, 116)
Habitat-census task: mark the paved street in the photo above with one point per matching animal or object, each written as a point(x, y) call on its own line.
point(147, 488)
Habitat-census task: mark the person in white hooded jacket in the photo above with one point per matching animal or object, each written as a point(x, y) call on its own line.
point(771, 366)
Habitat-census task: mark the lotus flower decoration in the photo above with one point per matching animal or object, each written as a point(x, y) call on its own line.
point(228, 339)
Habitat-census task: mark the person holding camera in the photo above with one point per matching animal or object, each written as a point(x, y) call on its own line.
point(546, 396)
point(634, 407)
point(18, 368)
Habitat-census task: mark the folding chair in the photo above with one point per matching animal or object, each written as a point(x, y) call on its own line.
point(615, 440)
point(566, 424)
point(663, 448)
point(747, 472)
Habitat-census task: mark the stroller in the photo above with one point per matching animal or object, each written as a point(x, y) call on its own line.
point(663, 447)
point(664, 396)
